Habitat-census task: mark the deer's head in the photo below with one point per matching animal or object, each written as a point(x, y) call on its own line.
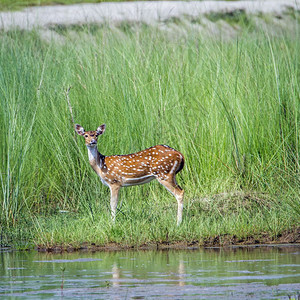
point(90, 137)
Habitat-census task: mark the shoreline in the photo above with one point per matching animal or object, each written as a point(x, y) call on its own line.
point(288, 237)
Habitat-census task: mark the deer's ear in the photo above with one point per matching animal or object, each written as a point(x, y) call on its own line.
point(101, 129)
point(79, 129)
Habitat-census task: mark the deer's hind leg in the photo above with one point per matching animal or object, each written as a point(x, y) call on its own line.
point(171, 185)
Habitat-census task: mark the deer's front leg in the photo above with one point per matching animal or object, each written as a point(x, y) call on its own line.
point(114, 197)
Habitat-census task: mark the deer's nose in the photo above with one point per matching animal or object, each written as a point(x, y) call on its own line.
point(93, 141)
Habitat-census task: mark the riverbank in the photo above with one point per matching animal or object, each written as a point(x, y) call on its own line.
point(287, 238)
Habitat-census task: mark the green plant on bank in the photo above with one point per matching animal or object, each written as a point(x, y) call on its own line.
point(236, 17)
point(232, 108)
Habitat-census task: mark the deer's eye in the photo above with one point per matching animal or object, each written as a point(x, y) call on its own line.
point(86, 135)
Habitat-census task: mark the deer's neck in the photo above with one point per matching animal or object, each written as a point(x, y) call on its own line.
point(96, 159)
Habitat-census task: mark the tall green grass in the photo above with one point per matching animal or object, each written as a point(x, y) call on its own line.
point(231, 107)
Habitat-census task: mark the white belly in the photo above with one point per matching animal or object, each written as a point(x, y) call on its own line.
point(137, 181)
point(103, 181)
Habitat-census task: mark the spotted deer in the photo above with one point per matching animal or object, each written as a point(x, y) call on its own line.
point(159, 162)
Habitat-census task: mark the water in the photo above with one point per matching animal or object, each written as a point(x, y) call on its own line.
point(239, 273)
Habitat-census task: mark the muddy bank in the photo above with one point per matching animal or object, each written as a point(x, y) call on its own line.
point(285, 238)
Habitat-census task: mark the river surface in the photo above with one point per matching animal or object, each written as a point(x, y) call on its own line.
point(216, 273)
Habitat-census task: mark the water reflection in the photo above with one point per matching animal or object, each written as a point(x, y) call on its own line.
point(116, 272)
point(181, 273)
point(214, 272)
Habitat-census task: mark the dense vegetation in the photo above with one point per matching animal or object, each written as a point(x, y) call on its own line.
point(230, 106)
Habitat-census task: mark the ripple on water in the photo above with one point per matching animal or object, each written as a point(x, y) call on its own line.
point(239, 274)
